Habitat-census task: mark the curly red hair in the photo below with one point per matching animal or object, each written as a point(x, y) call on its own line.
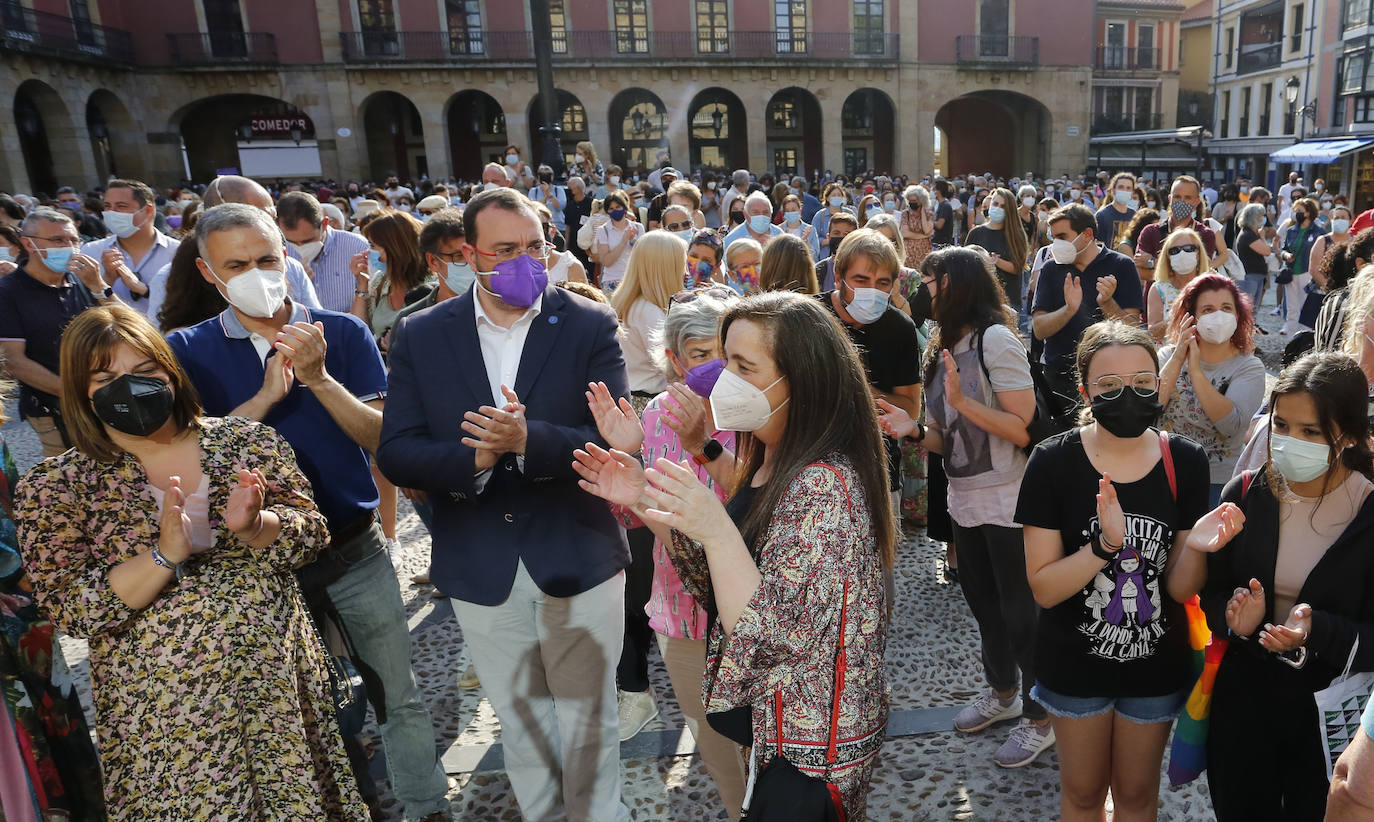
point(1186, 304)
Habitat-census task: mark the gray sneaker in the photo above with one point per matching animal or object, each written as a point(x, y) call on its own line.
point(1026, 742)
point(637, 709)
point(985, 710)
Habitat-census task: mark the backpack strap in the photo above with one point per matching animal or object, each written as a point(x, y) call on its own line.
point(1166, 455)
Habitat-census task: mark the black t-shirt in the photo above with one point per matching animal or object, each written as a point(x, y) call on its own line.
point(1049, 296)
point(891, 352)
point(945, 234)
point(1122, 635)
point(1253, 261)
point(1111, 223)
point(656, 206)
point(994, 241)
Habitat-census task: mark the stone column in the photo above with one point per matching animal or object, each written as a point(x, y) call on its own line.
point(14, 174)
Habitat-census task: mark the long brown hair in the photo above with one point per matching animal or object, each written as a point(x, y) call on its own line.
point(88, 345)
point(830, 410)
point(398, 234)
point(1340, 391)
point(968, 298)
point(788, 266)
point(189, 298)
point(1018, 246)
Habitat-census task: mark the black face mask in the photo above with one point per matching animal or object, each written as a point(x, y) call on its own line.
point(132, 405)
point(736, 217)
point(1128, 415)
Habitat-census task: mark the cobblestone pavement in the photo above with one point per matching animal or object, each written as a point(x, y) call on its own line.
point(932, 663)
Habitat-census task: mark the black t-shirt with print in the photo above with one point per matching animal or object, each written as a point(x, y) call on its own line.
point(1122, 635)
point(944, 235)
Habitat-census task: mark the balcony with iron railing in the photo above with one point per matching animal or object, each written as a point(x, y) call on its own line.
point(1259, 58)
point(636, 44)
point(982, 51)
point(1117, 123)
point(1121, 58)
point(228, 47)
point(54, 35)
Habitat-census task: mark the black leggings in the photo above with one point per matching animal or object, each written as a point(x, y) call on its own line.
point(632, 673)
point(992, 572)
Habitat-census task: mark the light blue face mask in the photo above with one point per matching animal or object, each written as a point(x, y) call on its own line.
point(5, 255)
point(57, 259)
point(758, 223)
point(997, 214)
point(459, 277)
point(374, 262)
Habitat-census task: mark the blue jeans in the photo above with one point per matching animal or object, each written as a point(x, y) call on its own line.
point(1142, 710)
point(1254, 286)
point(368, 600)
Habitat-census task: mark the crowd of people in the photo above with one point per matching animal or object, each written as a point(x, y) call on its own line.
point(696, 412)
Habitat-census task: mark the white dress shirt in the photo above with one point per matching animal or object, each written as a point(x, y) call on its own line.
point(502, 349)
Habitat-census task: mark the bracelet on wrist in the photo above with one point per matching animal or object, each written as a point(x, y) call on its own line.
point(262, 523)
point(160, 559)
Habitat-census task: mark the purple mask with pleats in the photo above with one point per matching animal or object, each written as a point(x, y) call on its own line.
point(520, 281)
point(702, 378)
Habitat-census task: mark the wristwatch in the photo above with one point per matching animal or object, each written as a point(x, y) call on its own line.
point(709, 452)
point(107, 293)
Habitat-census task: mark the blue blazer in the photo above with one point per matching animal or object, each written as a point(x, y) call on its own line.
point(566, 537)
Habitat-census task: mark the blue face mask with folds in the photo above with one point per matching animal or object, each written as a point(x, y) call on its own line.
point(374, 262)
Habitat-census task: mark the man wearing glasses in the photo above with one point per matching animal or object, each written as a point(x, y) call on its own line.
point(486, 404)
point(53, 284)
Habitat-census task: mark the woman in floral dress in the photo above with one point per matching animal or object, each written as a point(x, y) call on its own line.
point(48, 765)
point(168, 540)
point(791, 569)
point(918, 224)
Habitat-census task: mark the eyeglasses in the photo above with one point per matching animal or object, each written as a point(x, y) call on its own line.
point(59, 242)
point(1184, 247)
point(1110, 387)
point(720, 292)
point(536, 250)
point(678, 226)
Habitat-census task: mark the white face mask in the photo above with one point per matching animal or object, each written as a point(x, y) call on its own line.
point(867, 304)
point(614, 179)
point(1298, 460)
point(581, 159)
point(307, 251)
point(258, 292)
point(1217, 327)
point(686, 234)
point(1184, 262)
point(739, 405)
point(120, 223)
point(1028, 202)
point(491, 186)
point(1064, 251)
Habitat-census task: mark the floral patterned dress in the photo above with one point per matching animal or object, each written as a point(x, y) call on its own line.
point(915, 507)
point(819, 546)
point(923, 224)
point(213, 701)
point(48, 765)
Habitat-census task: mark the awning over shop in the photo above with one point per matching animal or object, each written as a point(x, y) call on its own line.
point(1318, 151)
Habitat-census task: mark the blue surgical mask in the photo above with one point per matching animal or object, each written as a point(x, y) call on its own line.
point(836, 202)
point(374, 262)
point(792, 217)
point(997, 214)
point(1122, 196)
point(57, 259)
point(458, 277)
point(758, 223)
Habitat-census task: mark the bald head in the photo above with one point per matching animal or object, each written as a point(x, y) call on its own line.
point(231, 188)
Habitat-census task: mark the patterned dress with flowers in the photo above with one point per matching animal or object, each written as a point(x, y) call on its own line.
point(213, 701)
point(48, 764)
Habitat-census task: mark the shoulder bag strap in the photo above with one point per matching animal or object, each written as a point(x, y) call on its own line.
point(841, 665)
point(1167, 457)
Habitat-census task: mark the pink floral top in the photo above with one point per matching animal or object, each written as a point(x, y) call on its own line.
point(673, 611)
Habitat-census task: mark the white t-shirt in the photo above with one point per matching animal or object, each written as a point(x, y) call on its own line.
point(642, 324)
point(610, 236)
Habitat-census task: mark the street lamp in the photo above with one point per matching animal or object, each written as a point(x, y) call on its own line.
point(717, 122)
point(297, 133)
point(1290, 96)
point(637, 119)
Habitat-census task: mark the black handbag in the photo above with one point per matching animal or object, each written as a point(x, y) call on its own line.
point(1285, 275)
point(782, 793)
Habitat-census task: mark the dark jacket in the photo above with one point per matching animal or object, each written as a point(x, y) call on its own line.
point(1303, 255)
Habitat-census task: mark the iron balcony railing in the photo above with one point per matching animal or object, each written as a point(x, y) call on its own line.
point(511, 46)
point(976, 50)
point(1121, 58)
point(1258, 59)
point(23, 29)
point(197, 49)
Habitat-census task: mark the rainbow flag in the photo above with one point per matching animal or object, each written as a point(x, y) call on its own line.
point(1188, 754)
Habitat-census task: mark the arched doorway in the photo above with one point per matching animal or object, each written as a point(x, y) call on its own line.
point(249, 134)
point(792, 125)
point(114, 137)
point(395, 136)
point(639, 128)
point(573, 122)
point(718, 135)
point(47, 139)
point(1001, 132)
point(867, 126)
point(476, 133)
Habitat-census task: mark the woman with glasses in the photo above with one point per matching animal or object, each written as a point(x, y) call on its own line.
point(979, 400)
point(1105, 509)
point(1180, 260)
point(1284, 568)
point(790, 570)
point(676, 219)
point(677, 426)
point(870, 206)
point(1211, 383)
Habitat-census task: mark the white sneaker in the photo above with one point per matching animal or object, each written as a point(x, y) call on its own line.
point(1027, 741)
point(469, 680)
point(394, 553)
point(637, 709)
point(985, 710)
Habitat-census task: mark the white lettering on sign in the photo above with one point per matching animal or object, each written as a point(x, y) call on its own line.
point(278, 124)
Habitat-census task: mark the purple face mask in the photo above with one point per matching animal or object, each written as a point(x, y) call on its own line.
point(519, 282)
point(702, 378)
point(174, 221)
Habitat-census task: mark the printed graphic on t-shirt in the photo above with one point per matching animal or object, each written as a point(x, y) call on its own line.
point(1124, 616)
point(968, 450)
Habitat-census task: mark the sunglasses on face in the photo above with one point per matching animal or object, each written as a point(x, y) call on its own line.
point(1179, 249)
point(677, 226)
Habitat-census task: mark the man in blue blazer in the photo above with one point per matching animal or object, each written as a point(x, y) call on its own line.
point(486, 403)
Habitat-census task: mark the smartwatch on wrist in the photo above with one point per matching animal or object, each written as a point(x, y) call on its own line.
point(709, 452)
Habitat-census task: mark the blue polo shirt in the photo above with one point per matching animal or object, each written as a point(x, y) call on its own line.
point(36, 313)
point(1049, 296)
point(227, 369)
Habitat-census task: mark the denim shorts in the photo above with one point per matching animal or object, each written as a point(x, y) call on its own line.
point(1143, 710)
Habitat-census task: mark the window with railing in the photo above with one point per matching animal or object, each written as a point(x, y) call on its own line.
point(82, 23)
point(1144, 109)
point(632, 26)
point(1224, 116)
point(558, 21)
point(377, 28)
point(1354, 14)
point(713, 26)
point(868, 26)
point(1266, 108)
point(1145, 47)
point(1261, 38)
point(789, 21)
point(994, 27)
point(224, 28)
point(464, 26)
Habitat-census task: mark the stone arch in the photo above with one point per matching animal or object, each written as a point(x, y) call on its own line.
point(116, 137)
point(1003, 132)
point(476, 133)
point(792, 128)
point(868, 126)
point(395, 136)
point(717, 131)
point(212, 128)
point(639, 128)
point(48, 139)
